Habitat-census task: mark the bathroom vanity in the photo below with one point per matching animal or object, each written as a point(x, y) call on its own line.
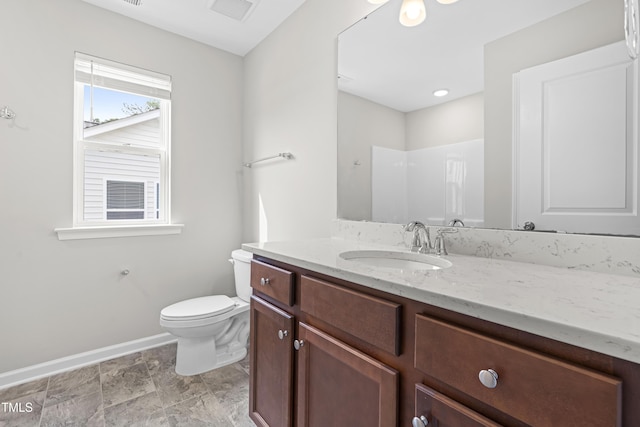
point(481, 343)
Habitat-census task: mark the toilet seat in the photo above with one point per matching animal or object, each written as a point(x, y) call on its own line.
point(198, 308)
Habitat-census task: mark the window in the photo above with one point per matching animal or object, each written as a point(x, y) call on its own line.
point(121, 144)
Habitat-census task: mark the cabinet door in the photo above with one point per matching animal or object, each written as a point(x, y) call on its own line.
point(271, 365)
point(442, 411)
point(340, 386)
point(532, 387)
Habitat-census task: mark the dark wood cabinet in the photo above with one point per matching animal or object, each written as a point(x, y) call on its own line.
point(340, 386)
point(440, 411)
point(333, 383)
point(271, 365)
point(534, 388)
point(373, 320)
point(369, 358)
point(272, 281)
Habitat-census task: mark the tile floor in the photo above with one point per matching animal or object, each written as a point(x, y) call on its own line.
point(140, 389)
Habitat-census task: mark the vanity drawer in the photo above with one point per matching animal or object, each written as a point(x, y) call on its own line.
point(374, 320)
point(534, 388)
point(272, 281)
point(441, 411)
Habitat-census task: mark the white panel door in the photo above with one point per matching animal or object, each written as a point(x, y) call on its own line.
point(575, 144)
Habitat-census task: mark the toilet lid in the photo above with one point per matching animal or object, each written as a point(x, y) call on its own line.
point(198, 308)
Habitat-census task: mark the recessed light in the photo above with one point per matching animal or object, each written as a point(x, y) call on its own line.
point(440, 92)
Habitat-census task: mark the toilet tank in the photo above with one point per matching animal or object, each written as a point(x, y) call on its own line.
point(242, 269)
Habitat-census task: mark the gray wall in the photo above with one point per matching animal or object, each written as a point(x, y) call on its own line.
point(362, 124)
point(59, 298)
point(455, 121)
point(594, 24)
point(290, 104)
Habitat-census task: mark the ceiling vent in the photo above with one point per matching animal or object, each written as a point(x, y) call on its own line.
point(134, 2)
point(234, 9)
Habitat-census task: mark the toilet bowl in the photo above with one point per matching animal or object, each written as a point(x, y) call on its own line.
point(212, 331)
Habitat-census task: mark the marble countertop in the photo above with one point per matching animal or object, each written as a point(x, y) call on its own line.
point(597, 311)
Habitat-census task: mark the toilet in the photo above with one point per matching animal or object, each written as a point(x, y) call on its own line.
point(212, 331)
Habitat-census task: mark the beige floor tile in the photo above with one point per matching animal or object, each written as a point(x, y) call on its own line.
point(199, 411)
point(85, 411)
point(125, 384)
point(145, 410)
point(23, 411)
point(69, 385)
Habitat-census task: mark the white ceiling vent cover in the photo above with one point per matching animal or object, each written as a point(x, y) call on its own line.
point(235, 9)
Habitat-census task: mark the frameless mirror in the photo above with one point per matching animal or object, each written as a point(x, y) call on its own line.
point(387, 112)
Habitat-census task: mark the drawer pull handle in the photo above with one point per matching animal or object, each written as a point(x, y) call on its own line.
point(488, 378)
point(422, 421)
point(282, 334)
point(297, 344)
point(264, 281)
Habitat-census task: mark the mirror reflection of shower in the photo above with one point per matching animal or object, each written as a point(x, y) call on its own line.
point(434, 184)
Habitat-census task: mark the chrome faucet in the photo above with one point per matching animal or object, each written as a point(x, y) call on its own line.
point(455, 222)
point(439, 245)
point(418, 243)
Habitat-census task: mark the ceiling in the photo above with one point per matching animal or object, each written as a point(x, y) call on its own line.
point(195, 20)
point(446, 51)
point(400, 67)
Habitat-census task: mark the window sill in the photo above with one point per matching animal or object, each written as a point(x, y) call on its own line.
point(102, 232)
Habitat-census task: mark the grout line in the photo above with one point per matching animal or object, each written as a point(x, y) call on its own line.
point(46, 392)
point(155, 386)
point(104, 415)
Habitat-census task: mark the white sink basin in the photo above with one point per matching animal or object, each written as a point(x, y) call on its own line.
point(396, 260)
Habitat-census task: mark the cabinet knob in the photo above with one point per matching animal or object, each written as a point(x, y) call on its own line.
point(422, 421)
point(297, 344)
point(488, 378)
point(264, 281)
point(282, 333)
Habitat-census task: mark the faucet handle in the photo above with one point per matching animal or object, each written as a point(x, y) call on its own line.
point(439, 245)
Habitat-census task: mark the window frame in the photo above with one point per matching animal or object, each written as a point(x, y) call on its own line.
point(80, 146)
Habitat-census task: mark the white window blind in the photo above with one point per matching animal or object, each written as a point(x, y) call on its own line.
point(125, 195)
point(104, 73)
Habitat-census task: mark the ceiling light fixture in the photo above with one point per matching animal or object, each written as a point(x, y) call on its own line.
point(441, 92)
point(412, 12)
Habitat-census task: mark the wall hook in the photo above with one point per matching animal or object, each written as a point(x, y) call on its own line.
point(7, 113)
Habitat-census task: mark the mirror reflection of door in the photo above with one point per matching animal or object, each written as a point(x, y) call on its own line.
point(576, 156)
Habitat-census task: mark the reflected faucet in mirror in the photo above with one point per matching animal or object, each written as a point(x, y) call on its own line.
point(456, 222)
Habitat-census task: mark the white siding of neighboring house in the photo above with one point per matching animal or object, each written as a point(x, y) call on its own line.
point(101, 166)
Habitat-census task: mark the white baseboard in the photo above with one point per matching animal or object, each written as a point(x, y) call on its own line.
point(41, 370)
